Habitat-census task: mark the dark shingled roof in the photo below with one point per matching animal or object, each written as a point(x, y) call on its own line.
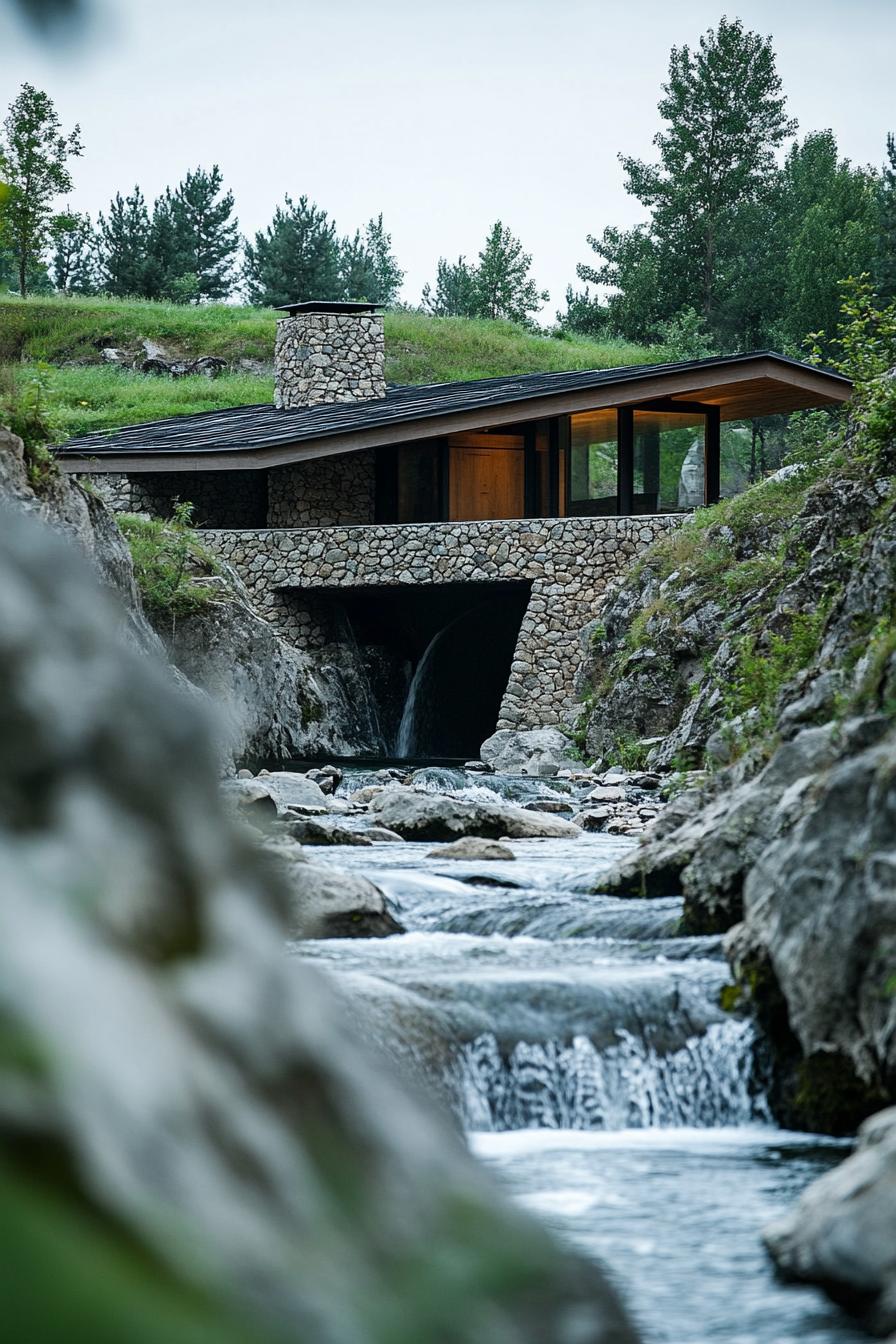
point(243, 428)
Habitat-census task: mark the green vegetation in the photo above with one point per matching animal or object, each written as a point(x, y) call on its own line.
point(761, 670)
point(57, 328)
point(26, 407)
point(170, 563)
point(88, 399)
point(86, 395)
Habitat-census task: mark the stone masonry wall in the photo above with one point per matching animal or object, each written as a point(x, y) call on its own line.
point(327, 357)
point(220, 498)
point(323, 492)
point(569, 562)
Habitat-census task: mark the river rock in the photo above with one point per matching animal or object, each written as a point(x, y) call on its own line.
point(289, 788)
point(330, 903)
point(841, 1234)
point(435, 816)
point(473, 847)
point(321, 831)
point(189, 1116)
point(382, 834)
point(533, 751)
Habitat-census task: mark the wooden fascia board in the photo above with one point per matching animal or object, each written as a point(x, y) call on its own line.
point(687, 382)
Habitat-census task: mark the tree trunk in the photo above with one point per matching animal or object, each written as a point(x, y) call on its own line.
point(23, 288)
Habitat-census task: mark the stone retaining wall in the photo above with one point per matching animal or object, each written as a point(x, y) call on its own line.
point(569, 563)
point(219, 498)
point(323, 492)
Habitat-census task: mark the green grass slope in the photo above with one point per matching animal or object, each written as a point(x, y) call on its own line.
point(68, 334)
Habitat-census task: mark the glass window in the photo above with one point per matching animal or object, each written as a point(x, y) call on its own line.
point(592, 462)
point(668, 465)
point(418, 483)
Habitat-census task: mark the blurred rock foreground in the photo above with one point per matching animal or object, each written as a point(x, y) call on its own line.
point(193, 1146)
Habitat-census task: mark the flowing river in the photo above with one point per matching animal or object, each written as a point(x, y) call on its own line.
point(581, 1042)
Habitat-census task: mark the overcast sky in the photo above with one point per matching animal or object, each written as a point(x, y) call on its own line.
point(444, 116)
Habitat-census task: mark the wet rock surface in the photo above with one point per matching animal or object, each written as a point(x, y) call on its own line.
point(175, 1078)
point(841, 1234)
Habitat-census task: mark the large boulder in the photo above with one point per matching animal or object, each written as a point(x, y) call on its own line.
point(841, 1234)
point(532, 751)
point(194, 1142)
point(437, 816)
point(270, 702)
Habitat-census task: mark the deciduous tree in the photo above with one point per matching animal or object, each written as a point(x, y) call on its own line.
point(34, 154)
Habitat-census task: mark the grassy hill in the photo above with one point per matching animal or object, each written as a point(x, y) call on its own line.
point(68, 335)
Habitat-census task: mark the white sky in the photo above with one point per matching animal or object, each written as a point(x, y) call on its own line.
point(445, 116)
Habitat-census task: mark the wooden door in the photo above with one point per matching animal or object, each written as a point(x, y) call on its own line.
point(486, 482)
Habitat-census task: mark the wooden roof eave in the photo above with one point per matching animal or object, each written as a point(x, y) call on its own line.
point(802, 388)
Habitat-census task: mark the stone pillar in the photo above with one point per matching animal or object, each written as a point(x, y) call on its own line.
point(326, 354)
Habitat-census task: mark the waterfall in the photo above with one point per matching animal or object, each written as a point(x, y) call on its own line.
point(708, 1082)
point(408, 729)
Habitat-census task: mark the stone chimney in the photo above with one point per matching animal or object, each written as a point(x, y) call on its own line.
point(328, 352)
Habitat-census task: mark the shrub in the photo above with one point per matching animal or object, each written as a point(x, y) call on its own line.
point(169, 562)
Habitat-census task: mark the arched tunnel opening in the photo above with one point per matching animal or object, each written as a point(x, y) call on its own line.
point(436, 659)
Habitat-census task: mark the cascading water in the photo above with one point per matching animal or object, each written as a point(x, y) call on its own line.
point(581, 1041)
point(406, 741)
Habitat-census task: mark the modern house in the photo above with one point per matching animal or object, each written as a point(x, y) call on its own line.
point(536, 490)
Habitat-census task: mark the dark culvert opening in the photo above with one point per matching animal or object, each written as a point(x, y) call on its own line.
point(438, 660)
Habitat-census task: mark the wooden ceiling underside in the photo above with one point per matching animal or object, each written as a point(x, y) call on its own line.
point(760, 396)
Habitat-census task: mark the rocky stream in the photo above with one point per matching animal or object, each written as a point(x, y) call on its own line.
point(579, 1040)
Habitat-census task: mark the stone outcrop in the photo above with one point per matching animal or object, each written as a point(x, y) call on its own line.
point(540, 751)
point(666, 646)
point(788, 845)
point(187, 1115)
point(841, 1234)
point(269, 702)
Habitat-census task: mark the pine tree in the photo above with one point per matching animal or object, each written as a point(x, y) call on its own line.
point(368, 270)
point(123, 245)
point(74, 255)
point(386, 274)
point(885, 269)
point(503, 286)
point(34, 156)
point(206, 236)
point(163, 272)
point(295, 259)
point(356, 270)
point(455, 290)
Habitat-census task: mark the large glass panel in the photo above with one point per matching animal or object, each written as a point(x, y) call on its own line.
point(750, 450)
point(418, 483)
point(592, 462)
point(668, 465)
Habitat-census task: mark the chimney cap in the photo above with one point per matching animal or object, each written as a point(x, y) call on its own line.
point(326, 306)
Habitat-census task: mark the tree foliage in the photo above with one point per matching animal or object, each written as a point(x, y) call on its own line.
point(885, 260)
point(368, 267)
point(296, 258)
point(74, 254)
point(123, 239)
point(34, 154)
point(756, 248)
point(204, 233)
point(500, 286)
